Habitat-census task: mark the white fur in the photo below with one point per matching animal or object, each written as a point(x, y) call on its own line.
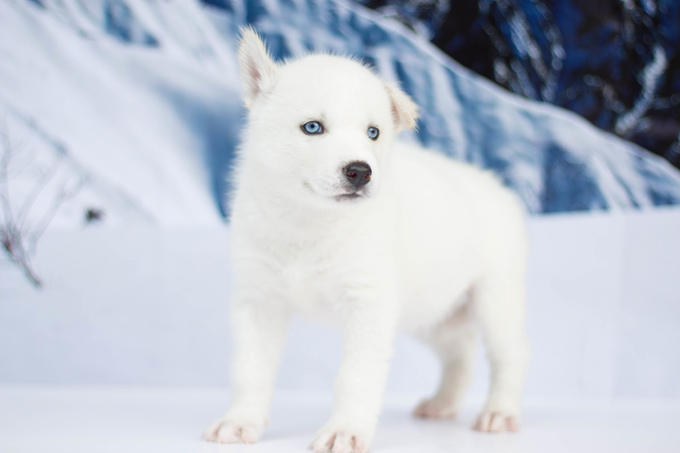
point(431, 247)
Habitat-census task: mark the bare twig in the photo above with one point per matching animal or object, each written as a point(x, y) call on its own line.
point(43, 180)
point(17, 236)
point(4, 173)
point(64, 195)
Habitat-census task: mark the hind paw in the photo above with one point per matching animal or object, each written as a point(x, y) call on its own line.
point(435, 408)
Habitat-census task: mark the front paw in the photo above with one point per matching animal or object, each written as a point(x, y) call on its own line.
point(436, 408)
point(338, 440)
point(227, 431)
point(496, 422)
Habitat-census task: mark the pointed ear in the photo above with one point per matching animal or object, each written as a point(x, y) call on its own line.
point(404, 110)
point(258, 70)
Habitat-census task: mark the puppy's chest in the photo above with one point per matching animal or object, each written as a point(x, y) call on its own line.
point(313, 273)
point(313, 289)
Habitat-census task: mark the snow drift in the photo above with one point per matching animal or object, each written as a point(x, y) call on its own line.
point(141, 98)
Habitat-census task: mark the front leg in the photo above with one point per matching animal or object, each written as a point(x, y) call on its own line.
point(258, 323)
point(368, 337)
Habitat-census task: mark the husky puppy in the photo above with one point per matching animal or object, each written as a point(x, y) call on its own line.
point(334, 219)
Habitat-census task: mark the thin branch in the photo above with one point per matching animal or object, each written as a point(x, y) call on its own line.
point(4, 172)
point(17, 238)
point(18, 256)
point(43, 180)
point(63, 196)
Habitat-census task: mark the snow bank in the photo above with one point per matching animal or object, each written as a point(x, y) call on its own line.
point(143, 100)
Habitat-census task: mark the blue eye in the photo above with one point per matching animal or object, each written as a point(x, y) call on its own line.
point(373, 133)
point(312, 128)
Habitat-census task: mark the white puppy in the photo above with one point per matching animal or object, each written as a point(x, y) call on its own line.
point(333, 219)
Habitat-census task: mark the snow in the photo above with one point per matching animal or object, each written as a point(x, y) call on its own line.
point(127, 117)
point(141, 420)
point(143, 100)
point(151, 130)
point(521, 140)
point(149, 306)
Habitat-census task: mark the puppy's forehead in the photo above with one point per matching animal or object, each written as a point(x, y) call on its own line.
point(329, 82)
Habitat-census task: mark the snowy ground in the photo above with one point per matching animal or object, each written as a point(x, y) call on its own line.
point(142, 101)
point(134, 420)
point(149, 306)
point(146, 308)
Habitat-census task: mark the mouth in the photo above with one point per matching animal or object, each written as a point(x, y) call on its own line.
point(347, 196)
point(343, 197)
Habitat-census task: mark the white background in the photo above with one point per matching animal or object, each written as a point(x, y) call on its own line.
point(149, 307)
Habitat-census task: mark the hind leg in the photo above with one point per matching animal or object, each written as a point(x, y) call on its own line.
point(499, 306)
point(455, 342)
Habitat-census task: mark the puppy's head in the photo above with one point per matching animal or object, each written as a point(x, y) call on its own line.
point(322, 125)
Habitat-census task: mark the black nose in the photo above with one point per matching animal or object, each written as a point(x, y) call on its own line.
point(358, 173)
